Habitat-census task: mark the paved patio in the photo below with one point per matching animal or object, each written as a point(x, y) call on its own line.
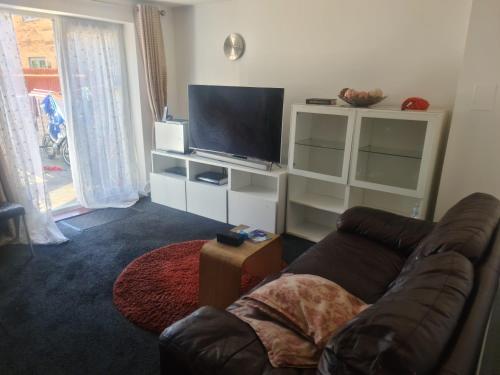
point(59, 183)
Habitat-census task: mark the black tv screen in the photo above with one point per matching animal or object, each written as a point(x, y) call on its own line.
point(241, 121)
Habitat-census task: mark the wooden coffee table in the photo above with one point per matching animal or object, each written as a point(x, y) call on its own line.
point(221, 267)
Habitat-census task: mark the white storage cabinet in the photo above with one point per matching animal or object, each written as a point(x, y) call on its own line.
point(341, 157)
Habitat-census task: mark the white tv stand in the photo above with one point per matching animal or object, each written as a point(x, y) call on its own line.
point(251, 163)
point(252, 196)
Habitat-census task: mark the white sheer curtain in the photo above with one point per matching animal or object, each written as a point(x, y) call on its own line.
point(21, 169)
point(100, 132)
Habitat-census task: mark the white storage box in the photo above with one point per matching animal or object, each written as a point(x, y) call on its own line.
point(172, 136)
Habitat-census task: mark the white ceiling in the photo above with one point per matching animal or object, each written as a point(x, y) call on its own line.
point(183, 2)
point(171, 3)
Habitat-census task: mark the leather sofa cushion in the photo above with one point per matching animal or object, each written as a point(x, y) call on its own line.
point(466, 228)
point(407, 330)
point(301, 313)
point(362, 267)
point(212, 341)
point(400, 233)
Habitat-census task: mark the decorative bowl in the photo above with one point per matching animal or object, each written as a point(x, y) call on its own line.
point(361, 102)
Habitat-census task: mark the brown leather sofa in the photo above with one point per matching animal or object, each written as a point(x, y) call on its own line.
point(431, 287)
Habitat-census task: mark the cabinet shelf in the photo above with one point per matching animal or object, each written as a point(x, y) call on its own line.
point(319, 201)
point(412, 154)
point(309, 222)
point(173, 175)
point(210, 185)
point(257, 191)
point(310, 231)
point(321, 143)
point(395, 203)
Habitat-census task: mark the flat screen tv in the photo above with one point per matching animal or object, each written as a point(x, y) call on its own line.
point(239, 121)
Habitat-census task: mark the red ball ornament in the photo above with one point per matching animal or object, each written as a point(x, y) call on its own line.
point(415, 104)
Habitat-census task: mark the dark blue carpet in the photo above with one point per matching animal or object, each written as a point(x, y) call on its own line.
point(56, 310)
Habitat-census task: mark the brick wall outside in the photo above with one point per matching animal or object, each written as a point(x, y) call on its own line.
point(35, 38)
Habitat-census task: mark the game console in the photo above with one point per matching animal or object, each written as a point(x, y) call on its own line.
point(216, 178)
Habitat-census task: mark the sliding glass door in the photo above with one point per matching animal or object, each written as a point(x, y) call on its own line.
point(75, 75)
point(101, 135)
point(35, 40)
point(21, 171)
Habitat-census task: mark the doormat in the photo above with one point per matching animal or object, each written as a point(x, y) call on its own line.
point(52, 168)
point(99, 217)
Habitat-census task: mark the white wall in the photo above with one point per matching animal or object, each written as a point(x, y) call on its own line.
point(317, 47)
point(472, 160)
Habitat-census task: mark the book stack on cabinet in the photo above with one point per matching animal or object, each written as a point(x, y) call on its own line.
point(341, 157)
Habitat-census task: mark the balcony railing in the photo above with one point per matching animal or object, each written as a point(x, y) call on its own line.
point(44, 79)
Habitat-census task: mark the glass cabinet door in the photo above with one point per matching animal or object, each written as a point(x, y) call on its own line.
point(321, 146)
point(389, 153)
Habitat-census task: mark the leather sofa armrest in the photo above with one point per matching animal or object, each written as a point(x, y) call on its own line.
point(208, 341)
point(329, 364)
point(398, 232)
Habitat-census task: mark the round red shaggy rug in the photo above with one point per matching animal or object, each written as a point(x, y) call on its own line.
point(161, 287)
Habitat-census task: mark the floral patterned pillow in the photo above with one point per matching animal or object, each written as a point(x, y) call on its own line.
point(298, 314)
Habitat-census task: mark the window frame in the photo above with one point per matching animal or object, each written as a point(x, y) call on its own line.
point(38, 59)
point(29, 18)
